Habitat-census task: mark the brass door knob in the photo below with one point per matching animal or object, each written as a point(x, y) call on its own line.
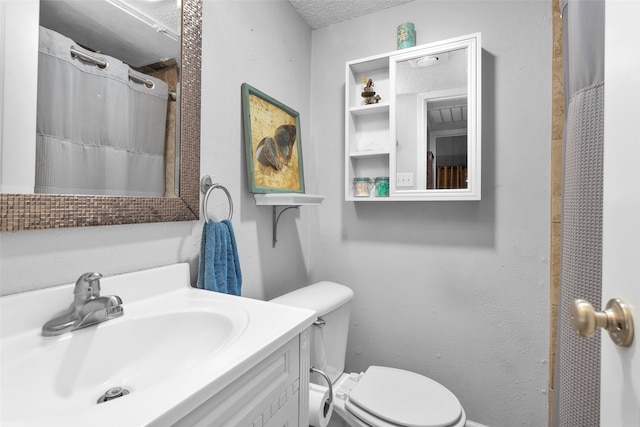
point(616, 319)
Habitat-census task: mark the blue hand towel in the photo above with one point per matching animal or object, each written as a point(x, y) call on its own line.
point(219, 269)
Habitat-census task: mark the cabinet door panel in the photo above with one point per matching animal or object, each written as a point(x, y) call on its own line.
point(287, 416)
point(257, 396)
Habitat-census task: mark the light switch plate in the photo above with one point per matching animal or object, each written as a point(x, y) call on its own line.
point(404, 179)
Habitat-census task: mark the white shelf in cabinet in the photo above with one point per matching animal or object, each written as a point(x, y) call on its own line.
point(364, 110)
point(372, 153)
point(367, 124)
point(365, 65)
point(367, 199)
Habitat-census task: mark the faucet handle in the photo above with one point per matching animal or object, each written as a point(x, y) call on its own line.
point(88, 285)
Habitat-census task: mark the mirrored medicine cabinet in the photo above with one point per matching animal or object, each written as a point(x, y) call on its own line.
point(414, 116)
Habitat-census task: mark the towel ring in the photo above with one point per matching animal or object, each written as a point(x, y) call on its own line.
point(206, 186)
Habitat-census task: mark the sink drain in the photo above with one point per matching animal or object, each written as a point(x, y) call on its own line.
point(113, 393)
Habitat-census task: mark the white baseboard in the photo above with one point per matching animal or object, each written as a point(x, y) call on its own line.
point(474, 424)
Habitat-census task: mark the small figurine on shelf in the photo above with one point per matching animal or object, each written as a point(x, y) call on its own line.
point(368, 93)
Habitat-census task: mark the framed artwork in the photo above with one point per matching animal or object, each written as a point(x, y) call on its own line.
point(272, 144)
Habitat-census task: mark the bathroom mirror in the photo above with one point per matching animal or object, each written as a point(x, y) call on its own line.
point(42, 211)
point(435, 121)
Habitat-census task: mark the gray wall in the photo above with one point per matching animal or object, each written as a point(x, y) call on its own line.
point(458, 291)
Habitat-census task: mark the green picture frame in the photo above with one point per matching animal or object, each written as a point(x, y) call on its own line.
point(272, 144)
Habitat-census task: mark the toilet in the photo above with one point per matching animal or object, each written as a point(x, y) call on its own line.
point(380, 396)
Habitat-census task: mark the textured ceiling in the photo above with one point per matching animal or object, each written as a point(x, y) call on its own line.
point(320, 13)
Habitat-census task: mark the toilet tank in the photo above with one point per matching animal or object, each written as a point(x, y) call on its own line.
point(331, 302)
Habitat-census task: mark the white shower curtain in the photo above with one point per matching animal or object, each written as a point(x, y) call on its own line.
point(98, 132)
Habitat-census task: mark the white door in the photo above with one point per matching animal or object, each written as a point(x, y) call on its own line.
point(620, 368)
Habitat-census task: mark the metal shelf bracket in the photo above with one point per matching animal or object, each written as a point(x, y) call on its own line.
point(276, 218)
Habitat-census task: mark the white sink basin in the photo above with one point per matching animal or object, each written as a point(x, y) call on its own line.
point(171, 350)
point(64, 374)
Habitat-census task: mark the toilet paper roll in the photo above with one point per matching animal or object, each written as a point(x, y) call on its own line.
point(320, 409)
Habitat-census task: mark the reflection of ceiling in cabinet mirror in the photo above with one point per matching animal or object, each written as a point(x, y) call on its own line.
point(447, 113)
point(447, 72)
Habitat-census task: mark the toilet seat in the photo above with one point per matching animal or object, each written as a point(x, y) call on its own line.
point(389, 397)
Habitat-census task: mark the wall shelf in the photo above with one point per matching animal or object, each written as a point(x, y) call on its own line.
point(285, 201)
point(288, 199)
point(363, 110)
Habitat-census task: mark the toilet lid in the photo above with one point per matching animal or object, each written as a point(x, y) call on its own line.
point(404, 398)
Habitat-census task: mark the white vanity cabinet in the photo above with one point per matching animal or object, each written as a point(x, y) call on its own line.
point(423, 133)
point(273, 393)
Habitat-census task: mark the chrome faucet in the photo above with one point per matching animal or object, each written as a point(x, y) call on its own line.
point(87, 308)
